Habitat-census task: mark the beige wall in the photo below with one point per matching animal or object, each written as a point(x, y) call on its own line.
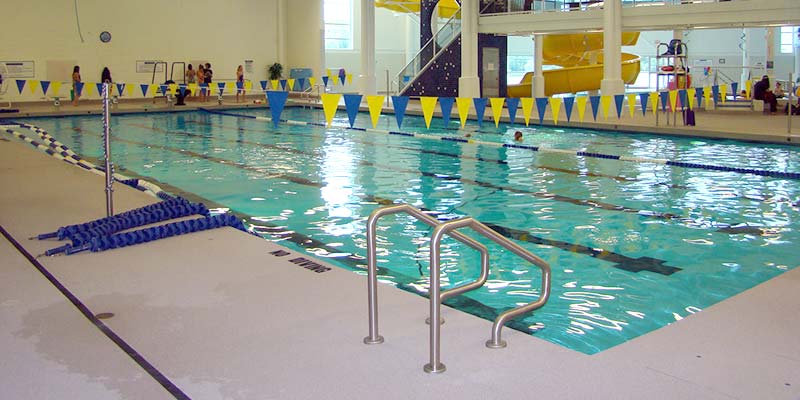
point(305, 46)
point(223, 33)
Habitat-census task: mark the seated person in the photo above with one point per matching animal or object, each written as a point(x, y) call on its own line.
point(779, 93)
point(179, 98)
point(762, 91)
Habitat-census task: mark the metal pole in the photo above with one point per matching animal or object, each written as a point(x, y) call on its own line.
point(388, 88)
point(789, 105)
point(107, 151)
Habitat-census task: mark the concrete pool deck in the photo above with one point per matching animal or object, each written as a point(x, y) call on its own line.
point(220, 314)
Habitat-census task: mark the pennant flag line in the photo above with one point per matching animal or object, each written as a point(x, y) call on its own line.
point(446, 106)
point(375, 104)
point(643, 98)
point(618, 99)
point(568, 103)
point(277, 100)
point(428, 105)
point(527, 109)
point(497, 109)
point(351, 104)
point(399, 103)
point(513, 103)
point(555, 105)
point(330, 102)
point(463, 103)
point(595, 101)
point(581, 103)
point(480, 109)
point(541, 107)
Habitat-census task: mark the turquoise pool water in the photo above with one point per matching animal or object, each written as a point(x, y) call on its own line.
point(633, 246)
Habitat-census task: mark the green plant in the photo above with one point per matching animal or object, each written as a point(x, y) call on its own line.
point(275, 71)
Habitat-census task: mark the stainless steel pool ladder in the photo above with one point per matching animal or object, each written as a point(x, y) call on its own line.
point(437, 297)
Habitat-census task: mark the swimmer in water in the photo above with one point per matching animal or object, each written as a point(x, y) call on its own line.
point(518, 136)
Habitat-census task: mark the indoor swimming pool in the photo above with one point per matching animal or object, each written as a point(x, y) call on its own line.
point(633, 245)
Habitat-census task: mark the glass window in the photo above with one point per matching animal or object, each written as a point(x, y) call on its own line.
point(787, 34)
point(339, 24)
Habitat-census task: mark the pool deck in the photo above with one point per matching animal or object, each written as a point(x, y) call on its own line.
point(232, 320)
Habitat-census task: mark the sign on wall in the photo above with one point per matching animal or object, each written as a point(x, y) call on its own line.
point(149, 65)
point(19, 69)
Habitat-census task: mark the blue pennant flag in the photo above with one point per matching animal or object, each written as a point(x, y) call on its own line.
point(100, 89)
point(45, 86)
point(144, 88)
point(568, 103)
point(351, 104)
point(618, 99)
point(203, 88)
point(699, 93)
point(715, 92)
point(221, 87)
point(20, 85)
point(513, 104)
point(325, 80)
point(182, 89)
point(342, 76)
point(735, 89)
point(664, 96)
point(595, 102)
point(277, 100)
point(263, 85)
point(682, 96)
point(120, 88)
point(480, 109)
point(541, 107)
point(302, 83)
point(446, 105)
point(283, 84)
point(79, 88)
point(399, 103)
point(163, 89)
point(643, 99)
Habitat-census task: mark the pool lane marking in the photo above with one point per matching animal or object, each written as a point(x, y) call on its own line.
point(661, 161)
point(102, 327)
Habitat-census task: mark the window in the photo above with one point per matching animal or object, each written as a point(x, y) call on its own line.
point(787, 35)
point(338, 24)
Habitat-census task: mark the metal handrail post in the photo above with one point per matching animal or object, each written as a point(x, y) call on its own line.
point(107, 150)
point(792, 88)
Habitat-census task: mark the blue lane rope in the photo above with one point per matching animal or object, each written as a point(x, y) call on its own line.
point(145, 235)
point(769, 173)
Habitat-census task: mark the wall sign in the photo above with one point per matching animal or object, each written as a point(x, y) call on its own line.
point(18, 69)
point(148, 66)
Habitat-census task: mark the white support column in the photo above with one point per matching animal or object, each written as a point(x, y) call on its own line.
point(745, 58)
point(469, 84)
point(367, 80)
point(770, 59)
point(612, 49)
point(283, 35)
point(537, 83)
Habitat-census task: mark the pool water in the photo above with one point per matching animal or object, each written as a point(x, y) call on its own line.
point(633, 246)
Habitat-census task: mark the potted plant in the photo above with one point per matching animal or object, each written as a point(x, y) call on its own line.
point(275, 71)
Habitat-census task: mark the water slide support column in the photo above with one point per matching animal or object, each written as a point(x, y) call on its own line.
point(469, 83)
point(367, 79)
point(537, 83)
point(612, 49)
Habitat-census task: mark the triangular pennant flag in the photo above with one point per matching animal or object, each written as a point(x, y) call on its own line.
point(673, 100)
point(480, 109)
point(595, 102)
point(330, 102)
point(334, 80)
point(302, 83)
point(263, 85)
point(734, 89)
point(555, 105)
point(631, 103)
point(375, 104)
point(513, 104)
point(290, 84)
point(120, 88)
point(664, 100)
point(100, 89)
point(351, 104)
point(21, 85)
point(56, 87)
point(275, 84)
point(568, 103)
point(707, 95)
point(78, 88)
point(283, 84)
point(312, 81)
point(691, 92)
point(463, 103)
point(277, 100)
point(723, 92)
point(605, 103)
point(327, 72)
point(145, 87)
point(221, 87)
point(399, 103)
point(349, 78)
point(45, 86)
point(497, 109)
point(682, 98)
point(342, 75)
point(643, 98)
point(428, 104)
point(182, 89)
point(748, 85)
point(541, 107)
point(129, 89)
point(446, 105)
point(325, 80)
point(618, 98)
point(581, 103)
point(248, 85)
point(715, 92)
point(654, 102)
point(230, 86)
point(204, 87)
point(192, 88)
point(173, 88)
point(32, 85)
point(527, 109)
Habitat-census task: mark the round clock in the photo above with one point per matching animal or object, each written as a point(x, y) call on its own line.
point(105, 36)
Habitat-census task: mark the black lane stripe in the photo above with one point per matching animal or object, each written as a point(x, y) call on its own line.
point(130, 351)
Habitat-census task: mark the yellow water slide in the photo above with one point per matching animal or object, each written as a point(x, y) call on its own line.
point(446, 7)
point(580, 57)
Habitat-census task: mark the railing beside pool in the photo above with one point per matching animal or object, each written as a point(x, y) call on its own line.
point(435, 295)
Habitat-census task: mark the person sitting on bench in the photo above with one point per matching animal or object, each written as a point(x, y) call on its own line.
point(762, 91)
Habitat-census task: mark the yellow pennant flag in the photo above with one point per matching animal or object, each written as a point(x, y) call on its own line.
point(673, 100)
point(527, 109)
point(289, 84)
point(275, 84)
point(690, 94)
point(192, 88)
point(55, 87)
point(654, 102)
point(497, 109)
point(129, 89)
point(428, 104)
point(87, 89)
point(707, 96)
point(632, 103)
point(748, 85)
point(580, 101)
point(248, 85)
point(230, 86)
point(605, 105)
point(723, 92)
point(555, 105)
point(375, 104)
point(328, 72)
point(349, 78)
point(33, 84)
point(334, 79)
point(463, 103)
point(312, 81)
point(173, 88)
point(212, 89)
point(330, 102)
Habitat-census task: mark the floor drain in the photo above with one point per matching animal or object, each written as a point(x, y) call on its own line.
point(105, 315)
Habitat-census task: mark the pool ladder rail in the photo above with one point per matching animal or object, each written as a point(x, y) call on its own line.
point(436, 295)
